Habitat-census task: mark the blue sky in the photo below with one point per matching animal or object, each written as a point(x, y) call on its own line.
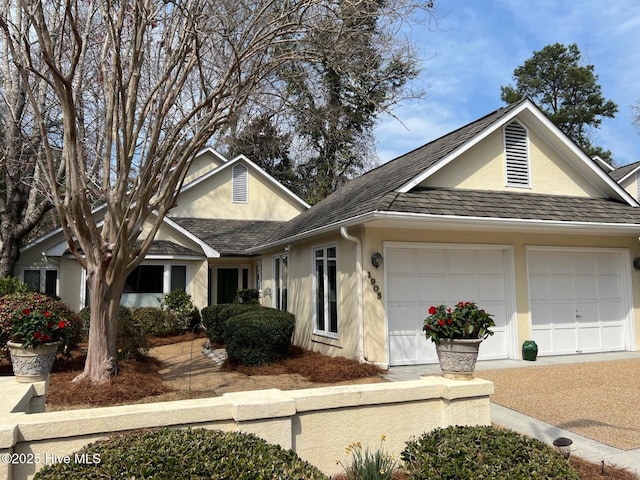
point(474, 46)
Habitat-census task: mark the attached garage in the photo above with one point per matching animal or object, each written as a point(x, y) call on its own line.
point(580, 300)
point(420, 275)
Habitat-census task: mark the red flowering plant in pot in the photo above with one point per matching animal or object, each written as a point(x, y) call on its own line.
point(465, 320)
point(34, 327)
point(457, 333)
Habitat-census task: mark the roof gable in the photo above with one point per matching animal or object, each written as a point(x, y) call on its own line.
point(376, 190)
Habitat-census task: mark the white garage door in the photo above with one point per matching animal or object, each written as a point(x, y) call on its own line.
point(577, 300)
point(418, 276)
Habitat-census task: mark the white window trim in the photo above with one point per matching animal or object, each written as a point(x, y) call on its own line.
point(314, 289)
point(506, 160)
point(43, 277)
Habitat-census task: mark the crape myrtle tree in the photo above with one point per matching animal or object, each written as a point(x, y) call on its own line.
point(23, 198)
point(566, 90)
point(141, 86)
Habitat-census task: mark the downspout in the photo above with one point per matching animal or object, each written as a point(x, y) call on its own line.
point(359, 290)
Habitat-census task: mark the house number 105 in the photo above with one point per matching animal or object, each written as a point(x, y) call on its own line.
point(376, 288)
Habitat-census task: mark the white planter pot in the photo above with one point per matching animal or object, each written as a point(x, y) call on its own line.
point(458, 357)
point(32, 364)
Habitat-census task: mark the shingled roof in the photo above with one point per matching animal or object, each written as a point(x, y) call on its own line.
point(229, 237)
point(379, 191)
point(619, 173)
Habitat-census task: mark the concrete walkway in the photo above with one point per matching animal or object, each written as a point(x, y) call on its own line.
point(582, 447)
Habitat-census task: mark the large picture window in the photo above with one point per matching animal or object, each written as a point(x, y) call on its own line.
point(147, 283)
point(326, 290)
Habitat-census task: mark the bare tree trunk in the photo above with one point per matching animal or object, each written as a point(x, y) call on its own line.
point(102, 355)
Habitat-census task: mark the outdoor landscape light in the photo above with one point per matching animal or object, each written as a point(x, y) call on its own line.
point(376, 259)
point(563, 445)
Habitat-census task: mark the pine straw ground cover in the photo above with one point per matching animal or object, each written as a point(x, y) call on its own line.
point(141, 381)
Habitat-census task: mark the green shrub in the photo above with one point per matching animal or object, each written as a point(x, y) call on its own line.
point(38, 301)
point(249, 296)
point(184, 454)
point(179, 303)
point(131, 340)
point(156, 322)
point(467, 453)
point(11, 285)
point(259, 336)
point(215, 317)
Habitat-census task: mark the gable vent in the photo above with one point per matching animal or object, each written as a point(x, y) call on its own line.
point(240, 184)
point(517, 155)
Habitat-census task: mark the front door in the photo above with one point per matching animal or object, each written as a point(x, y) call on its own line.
point(227, 285)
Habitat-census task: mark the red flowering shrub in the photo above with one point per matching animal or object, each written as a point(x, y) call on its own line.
point(42, 311)
point(465, 320)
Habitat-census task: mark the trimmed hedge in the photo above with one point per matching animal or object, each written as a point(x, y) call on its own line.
point(215, 317)
point(467, 453)
point(259, 336)
point(131, 340)
point(156, 321)
point(184, 455)
point(38, 301)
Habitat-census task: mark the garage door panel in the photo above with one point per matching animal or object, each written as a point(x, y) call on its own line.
point(491, 263)
point(460, 262)
point(431, 262)
point(609, 286)
point(406, 318)
point(586, 287)
point(540, 288)
point(608, 264)
point(583, 310)
point(434, 287)
point(403, 289)
point(589, 338)
point(400, 261)
point(424, 276)
point(462, 287)
point(561, 287)
point(490, 289)
point(613, 337)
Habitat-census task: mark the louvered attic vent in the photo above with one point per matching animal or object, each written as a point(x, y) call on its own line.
point(517, 155)
point(240, 184)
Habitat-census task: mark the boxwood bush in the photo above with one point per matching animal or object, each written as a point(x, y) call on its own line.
point(215, 317)
point(156, 321)
point(259, 336)
point(185, 454)
point(10, 303)
point(131, 340)
point(467, 453)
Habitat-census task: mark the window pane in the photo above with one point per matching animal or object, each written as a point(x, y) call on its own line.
point(332, 278)
point(331, 252)
point(145, 279)
point(285, 282)
point(32, 279)
point(179, 277)
point(51, 282)
point(245, 278)
point(320, 295)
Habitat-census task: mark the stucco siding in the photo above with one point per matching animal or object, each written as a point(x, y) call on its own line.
point(376, 343)
point(483, 168)
point(212, 199)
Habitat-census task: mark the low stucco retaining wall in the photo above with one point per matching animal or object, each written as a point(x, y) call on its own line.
point(317, 423)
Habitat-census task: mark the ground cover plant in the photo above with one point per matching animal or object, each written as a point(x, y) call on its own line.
point(185, 454)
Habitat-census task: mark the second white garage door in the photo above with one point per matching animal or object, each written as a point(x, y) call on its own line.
point(579, 300)
point(421, 275)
